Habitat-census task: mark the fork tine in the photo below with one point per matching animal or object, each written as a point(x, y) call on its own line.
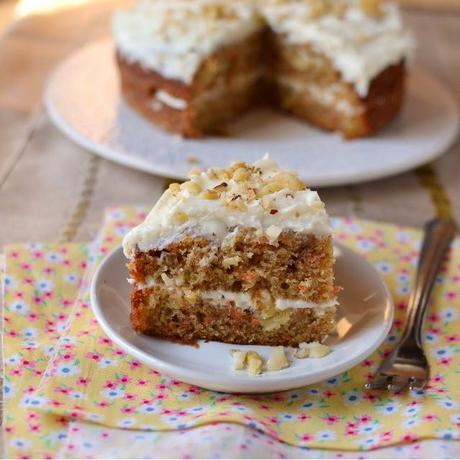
point(398, 384)
point(380, 381)
point(417, 384)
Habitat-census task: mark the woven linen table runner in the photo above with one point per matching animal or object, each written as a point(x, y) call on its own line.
point(91, 379)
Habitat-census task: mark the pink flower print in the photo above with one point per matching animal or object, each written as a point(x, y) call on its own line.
point(367, 363)
point(134, 364)
point(37, 373)
point(386, 436)
point(37, 300)
point(67, 356)
point(434, 318)
point(29, 389)
point(127, 410)
point(453, 338)
point(32, 416)
point(430, 417)
point(365, 419)
point(402, 305)
point(142, 382)
point(9, 429)
point(109, 385)
point(397, 323)
point(409, 437)
point(303, 417)
point(14, 254)
point(83, 264)
point(83, 381)
point(62, 390)
point(130, 397)
point(125, 379)
point(56, 403)
point(37, 254)
point(48, 270)
point(28, 280)
point(12, 333)
point(25, 266)
point(328, 394)
point(445, 361)
point(66, 263)
point(104, 435)
point(438, 378)
point(94, 355)
point(118, 352)
point(35, 428)
point(16, 372)
point(331, 419)
point(451, 295)
point(154, 372)
point(66, 302)
point(147, 401)
point(19, 294)
point(105, 341)
point(160, 396)
point(102, 404)
point(161, 386)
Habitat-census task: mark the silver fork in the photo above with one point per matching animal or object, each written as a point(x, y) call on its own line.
point(407, 364)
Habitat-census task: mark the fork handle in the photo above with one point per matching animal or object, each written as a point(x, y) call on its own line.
point(439, 234)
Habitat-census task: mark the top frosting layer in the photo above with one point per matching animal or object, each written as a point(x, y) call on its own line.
point(360, 37)
point(262, 197)
point(173, 37)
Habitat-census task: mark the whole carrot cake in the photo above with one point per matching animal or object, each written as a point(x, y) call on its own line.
point(239, 255)
point(190, 66)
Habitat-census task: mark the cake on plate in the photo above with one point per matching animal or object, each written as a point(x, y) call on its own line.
point(241, 255)
point(190, 66)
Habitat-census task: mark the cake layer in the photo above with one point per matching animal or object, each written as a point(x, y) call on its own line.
point(186, 318)
point(297, 267)
point(336, 109)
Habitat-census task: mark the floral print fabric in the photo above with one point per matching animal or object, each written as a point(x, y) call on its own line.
point(91, 379)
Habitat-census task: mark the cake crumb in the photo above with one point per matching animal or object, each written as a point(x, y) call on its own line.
point(239, 359)
point(249, 360)
point(314, 350)
point(255, 363)
point(192, 159)
point(278, 359)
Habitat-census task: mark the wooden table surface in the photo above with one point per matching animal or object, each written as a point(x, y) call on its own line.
point(51, 189)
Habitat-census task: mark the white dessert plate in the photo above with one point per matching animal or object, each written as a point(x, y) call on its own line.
point(83, 100)
point(364, 319)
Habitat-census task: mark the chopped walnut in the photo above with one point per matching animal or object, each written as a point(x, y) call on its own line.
point(315, 349)
point(231, 261)
point(255, 363)
point(210, 195)
point(277, 360)
point(273, 232)
point(372, 8)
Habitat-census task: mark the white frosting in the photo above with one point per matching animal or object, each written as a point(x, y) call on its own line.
point(292, 206)
point(284, 304)
point(242, 300)
point(358, 45)
point(170, 100)
point(173, 37)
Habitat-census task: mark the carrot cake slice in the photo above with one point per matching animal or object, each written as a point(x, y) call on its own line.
point(240, 255)
point(189, 66)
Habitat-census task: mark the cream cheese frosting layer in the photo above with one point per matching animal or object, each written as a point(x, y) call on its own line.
point(173, 37)
point(360, 45)
point(261, 197)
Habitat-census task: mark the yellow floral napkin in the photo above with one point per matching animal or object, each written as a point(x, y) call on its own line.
point(89, 378)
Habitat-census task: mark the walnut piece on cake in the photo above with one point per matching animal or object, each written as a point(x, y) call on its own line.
point(203, 269)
